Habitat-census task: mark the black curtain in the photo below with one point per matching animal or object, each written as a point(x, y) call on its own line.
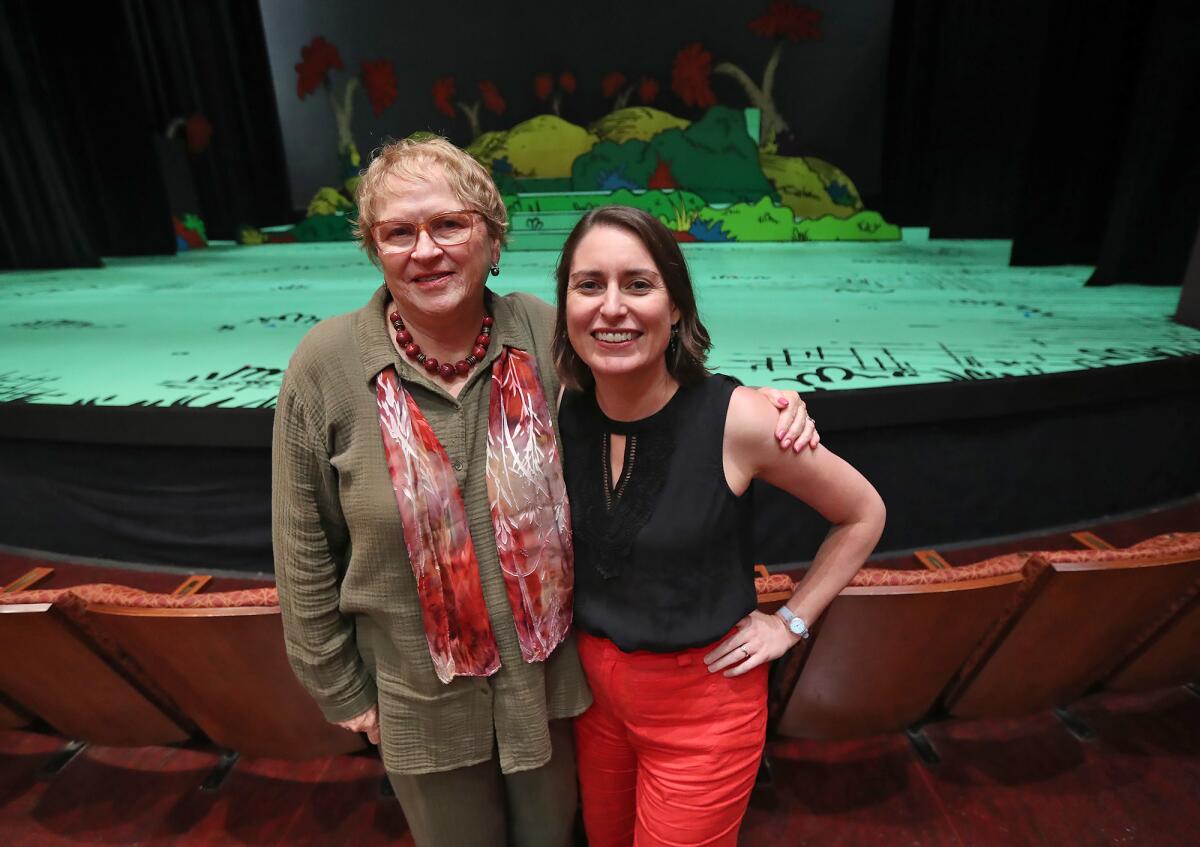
point(210, 59)
point(959, 113)
point(80, 179)
point(38, 211)
point(1156, 205)
point(1082, 105)
point(1189, 298)
point(1066, 126)
point(88, 96)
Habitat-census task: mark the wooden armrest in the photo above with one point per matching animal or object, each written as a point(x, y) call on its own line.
point(932, 559)
point(1091, 541)
point(27, 580)
point(192, 585)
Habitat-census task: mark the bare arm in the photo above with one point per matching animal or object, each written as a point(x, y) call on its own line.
point(822, 480)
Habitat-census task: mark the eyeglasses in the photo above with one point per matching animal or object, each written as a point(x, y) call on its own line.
point(446, 230)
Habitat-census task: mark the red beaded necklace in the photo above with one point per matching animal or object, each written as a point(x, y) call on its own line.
point(445, 370)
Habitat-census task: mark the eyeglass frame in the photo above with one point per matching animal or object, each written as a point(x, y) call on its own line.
point(422, 226)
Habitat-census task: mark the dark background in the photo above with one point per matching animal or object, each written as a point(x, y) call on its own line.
point(1068, 126)
point(830, 91)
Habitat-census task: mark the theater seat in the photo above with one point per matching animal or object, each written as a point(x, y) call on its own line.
point(81, 685)
point(888, 645)
point(221, 657)
point(1074, 612)
point(12, 717)
point(1168, 653)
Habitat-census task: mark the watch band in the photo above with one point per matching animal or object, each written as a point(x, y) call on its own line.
point(795, 623)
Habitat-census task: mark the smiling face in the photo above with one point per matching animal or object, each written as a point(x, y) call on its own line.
point(431, 280)
point(618, 311)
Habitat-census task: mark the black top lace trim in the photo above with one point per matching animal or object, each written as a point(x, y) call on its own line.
point(614, 517)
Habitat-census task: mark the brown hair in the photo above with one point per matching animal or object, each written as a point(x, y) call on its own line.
point(685, 358)
point(413, 159)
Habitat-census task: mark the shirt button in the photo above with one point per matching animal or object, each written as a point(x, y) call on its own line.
point(457, 465)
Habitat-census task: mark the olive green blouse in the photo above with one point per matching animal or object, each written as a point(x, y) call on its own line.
point(351, 617)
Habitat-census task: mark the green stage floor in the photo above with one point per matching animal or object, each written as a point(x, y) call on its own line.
point(215, 327)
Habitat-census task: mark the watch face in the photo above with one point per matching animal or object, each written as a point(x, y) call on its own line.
point(796, 626)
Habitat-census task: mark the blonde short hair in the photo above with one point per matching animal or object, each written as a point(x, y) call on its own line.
point(414, 159)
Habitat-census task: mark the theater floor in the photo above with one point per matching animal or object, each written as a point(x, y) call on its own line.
point(1006, 783)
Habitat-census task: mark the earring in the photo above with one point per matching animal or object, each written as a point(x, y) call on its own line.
point(673, 344)
point(495, 270)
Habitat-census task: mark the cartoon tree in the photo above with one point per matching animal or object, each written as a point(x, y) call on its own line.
point(617, 86)
point(378, 78)
point(489, 98)
point(544, 89)
point(786, 23)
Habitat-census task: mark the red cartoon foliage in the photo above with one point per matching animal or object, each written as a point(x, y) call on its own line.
point(689, 76)
point(198, 132)
point(784, 19)
point(647, 89)
point(612, 83)
point(661, 178)
point(316, 58)
point(492, 101)
point(566, 81)
point(380, 81)
point(543, 86)
point(443, 96)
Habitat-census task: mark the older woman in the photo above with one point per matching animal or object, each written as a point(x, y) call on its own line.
point(422, 539)
point(660, 455)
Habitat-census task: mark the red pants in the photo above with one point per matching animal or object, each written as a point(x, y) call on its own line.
point(668, 752)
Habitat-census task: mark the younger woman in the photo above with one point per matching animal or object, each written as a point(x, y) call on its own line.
point(659, 455)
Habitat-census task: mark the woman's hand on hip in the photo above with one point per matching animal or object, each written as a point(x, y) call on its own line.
point(367, 722)
point(795, 429)
point(759, 639)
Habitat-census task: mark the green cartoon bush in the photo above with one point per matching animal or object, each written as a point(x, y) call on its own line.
point(864, 226)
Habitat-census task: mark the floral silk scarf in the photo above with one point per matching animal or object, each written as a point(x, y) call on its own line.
point(530, 516)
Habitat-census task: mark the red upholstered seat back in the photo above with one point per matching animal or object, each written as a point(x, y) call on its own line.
point(1132, 601)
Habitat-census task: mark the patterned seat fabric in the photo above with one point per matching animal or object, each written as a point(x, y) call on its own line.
point(105, 594)
point(1160, 546)
point(774, 583)
point(1167, 545)
point(997, 566)
point(73, 602)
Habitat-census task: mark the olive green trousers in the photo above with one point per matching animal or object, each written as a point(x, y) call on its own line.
point(478, 806)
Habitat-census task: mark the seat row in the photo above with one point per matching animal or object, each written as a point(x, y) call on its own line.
point(118, 666)
point(1004, 637)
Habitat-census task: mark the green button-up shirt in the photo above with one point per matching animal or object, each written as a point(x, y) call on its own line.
point(351, 615)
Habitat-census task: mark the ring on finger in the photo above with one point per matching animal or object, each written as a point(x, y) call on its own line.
point(745, 652)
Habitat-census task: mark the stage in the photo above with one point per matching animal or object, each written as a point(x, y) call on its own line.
point(932, 365)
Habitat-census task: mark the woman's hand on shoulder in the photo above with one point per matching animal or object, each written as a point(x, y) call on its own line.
point(794, 428)
point(759, 639)
point(751, 432)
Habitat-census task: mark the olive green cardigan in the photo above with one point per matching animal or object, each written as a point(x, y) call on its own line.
point(351, 616)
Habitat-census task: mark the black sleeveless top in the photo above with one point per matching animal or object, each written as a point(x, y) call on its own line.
point(662, 555)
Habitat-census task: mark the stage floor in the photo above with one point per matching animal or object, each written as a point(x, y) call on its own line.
point(215, 327)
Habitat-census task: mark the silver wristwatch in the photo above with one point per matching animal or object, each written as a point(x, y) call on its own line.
point(795, 623)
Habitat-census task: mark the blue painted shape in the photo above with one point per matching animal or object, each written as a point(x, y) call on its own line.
point(708, 231)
